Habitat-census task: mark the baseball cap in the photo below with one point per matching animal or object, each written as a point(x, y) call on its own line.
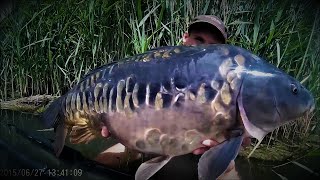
point(213, 20)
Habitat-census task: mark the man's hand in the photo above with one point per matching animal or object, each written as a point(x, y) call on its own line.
point(104, 131)
point(209, 143)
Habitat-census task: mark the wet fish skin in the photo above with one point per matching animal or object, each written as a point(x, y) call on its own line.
point(170, 84)
point(168, 100)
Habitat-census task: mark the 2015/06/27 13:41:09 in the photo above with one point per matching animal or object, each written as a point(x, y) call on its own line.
point(65, 172)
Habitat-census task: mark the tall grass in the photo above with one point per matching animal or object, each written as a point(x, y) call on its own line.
point(47, 46)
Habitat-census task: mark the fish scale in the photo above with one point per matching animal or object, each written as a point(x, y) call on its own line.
point(168, 100)
point(164, 92)
point(90, 80)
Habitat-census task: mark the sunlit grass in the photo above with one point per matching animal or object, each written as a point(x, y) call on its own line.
point(46, 48)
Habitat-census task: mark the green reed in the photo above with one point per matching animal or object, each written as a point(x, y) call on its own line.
point(47, 46)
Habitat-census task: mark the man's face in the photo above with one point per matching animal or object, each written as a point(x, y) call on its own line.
point(201, 36)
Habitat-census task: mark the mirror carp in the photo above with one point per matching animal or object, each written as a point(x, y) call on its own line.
point(168, 100)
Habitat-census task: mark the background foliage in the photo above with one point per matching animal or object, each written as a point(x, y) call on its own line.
point(47, 46)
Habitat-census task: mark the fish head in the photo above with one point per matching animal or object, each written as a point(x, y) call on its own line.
point(292, 99)
point(268, 100)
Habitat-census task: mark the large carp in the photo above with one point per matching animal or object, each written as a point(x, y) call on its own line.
point(168, 100)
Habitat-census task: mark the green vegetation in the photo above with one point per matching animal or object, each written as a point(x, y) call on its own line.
point(47, 46)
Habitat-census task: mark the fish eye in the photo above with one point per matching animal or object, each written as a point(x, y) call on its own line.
point(294, 89)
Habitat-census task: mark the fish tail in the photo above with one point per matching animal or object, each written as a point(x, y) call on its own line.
point(51, 115)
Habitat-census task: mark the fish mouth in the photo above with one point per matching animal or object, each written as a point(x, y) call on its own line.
point(310, 111)
point(312, 108)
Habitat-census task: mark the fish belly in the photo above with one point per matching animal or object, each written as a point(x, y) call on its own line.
point(173, 131)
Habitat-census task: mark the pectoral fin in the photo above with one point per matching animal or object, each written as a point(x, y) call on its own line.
point(216, 160)
point(60, 137)
point(149, 168)
point(82, 134)
point(117, 156)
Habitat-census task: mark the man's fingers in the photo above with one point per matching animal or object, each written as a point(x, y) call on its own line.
point(210, 143)
point(200, 150)
point(246, 141)
point(230, 167)
point(104, 132)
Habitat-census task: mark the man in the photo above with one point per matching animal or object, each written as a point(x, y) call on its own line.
point(205, 29)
